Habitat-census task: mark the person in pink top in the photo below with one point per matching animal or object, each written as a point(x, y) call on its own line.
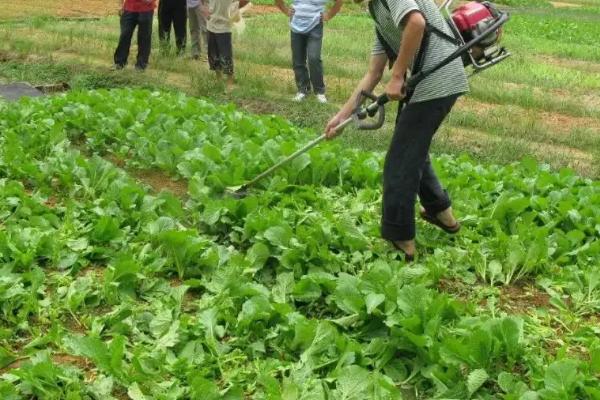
point(135, 13)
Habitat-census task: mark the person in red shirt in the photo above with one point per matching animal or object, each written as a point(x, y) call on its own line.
point(135, 13)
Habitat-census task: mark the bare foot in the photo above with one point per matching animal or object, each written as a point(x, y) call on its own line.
point(230, 84)
point(447, 217)
point(408, 247)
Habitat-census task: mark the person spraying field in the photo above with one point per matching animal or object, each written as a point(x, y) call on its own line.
point(427, 54)
point(402, 38)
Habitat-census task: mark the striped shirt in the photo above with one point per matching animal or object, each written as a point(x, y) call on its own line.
point(307, 15)
point(447, 81)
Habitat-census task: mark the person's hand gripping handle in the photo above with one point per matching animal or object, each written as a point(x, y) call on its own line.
point(343, 118)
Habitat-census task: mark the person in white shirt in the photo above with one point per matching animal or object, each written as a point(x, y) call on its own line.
point(306, 25)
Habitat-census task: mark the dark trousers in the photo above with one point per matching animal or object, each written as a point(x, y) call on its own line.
point(172, 13)
point(408, 171)
point(129, 21)
point(220, 52)
point(306, 47)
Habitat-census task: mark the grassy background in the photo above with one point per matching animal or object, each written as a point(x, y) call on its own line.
point(544, 101)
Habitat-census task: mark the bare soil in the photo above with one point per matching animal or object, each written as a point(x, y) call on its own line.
point(522, 299)
point(156, 179)
point(58, 8)
point(561, 4)
point(63, 359)
point(159, 181)
point(581, 65)
point(479, 142)
point(260, 9)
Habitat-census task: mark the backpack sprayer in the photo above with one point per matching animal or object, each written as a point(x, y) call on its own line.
point(477, 29)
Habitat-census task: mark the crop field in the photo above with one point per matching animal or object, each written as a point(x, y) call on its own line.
point(127, 271)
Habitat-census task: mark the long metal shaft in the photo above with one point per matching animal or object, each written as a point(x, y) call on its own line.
point(294, 155)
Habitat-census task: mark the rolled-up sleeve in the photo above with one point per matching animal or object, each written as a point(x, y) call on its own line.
point(377, 47)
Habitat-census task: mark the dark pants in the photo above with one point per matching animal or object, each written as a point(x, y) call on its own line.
point(220, 52)
point(129, 20)
point(307, 47)
point(408, 171)
point(172, 13)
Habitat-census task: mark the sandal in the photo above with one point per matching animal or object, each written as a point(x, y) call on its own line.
point(407, 257)
point(432, 219)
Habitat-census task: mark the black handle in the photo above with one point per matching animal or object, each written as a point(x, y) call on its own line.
point(383, 99)
point(376, 108)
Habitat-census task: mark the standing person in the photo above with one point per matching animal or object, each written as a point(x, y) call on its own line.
point(400, 27)
point(198, 33)
point(220, 46)
point(306, 24)
point(172, 13)
point(135, 13)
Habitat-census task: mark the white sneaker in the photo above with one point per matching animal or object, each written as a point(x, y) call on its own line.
point(299, 97)
point(321, 98)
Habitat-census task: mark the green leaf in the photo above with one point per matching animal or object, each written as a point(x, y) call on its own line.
point(506, 382)
point(170, 338)
point(78, 245)
point(373, 300)
point(160, 323)
point(8, 391)
point(347, 296)
point(102, 387)
point(193, 352)
point(561, 377)
point(279, 235)
point(162, 224)
point(595, 357)
point(135, 393)
point(283, 287)
point(234, 393)
point(125, 269)
point(475, 380)
point(117, 352)
point(6, 357)
point(105, 230)
point(258, 254)
point(203, 389)
point(352, 384)
point(255, 309)
point(92, 348)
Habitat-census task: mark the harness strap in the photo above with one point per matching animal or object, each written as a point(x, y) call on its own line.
point(420, 57)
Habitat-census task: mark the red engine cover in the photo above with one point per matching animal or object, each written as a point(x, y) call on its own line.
point(467, 16)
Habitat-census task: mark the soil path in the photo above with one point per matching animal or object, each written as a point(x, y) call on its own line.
point(59, 8)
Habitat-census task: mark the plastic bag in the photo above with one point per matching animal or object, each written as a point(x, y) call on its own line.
point(236, 17)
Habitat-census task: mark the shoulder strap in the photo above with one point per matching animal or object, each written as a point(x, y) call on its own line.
point(430, 27)
point(420, 57)
point(443, 35)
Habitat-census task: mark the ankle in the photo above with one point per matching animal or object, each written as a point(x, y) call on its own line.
point(447, 216)
point(408, 246)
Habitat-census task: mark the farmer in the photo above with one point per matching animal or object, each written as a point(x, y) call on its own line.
point(135, 13)
point(220, 43)
point(198, 33)
point(400, 26)
point(306, 24)
point(172, 13)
